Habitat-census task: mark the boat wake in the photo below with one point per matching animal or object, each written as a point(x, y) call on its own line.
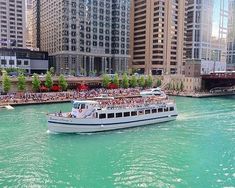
point(51, 132)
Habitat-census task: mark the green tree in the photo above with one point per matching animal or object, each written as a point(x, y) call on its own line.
point(21, 71)
point(133, 81)
point(21, 82)
point(48, 80)
point(6, 83)
point(3, 71)
point(159, 82)
point(177, 87)
point(62, 82)
point(116, 79)
point(149, 81)
point(173, 86)
point(125, 81)
point(142, 81)
point(52, 70)
point(105, 80)
point(181, 86)
point(168, 86)
point(36, 82)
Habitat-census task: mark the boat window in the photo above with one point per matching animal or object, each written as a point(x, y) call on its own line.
point(147, 111)
point(119, 114)
point(166, 109)
point(134, 113)
point(111, 115)
point(83, 106)
point(126, 114)
point(160, 110)
point(154, 110)
point(171, 108)
point(76, 105)
point(102, 116)
point(141, 112)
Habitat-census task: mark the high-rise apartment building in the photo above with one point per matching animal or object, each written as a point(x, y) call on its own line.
point(231, 37)
point(158, 30)
point(207, 30)
point(84, 36)
point(12, 23)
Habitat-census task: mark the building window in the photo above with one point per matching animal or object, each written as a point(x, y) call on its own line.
point(26, 63)
point(3, 62)
point(11, 62)
point(18, 62)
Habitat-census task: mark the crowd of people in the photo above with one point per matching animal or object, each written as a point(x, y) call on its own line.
point(21, 98)
point(130, 102)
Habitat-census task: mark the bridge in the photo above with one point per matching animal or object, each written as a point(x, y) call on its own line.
point(219, 81)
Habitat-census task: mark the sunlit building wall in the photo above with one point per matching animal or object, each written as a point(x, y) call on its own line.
point(158, 36)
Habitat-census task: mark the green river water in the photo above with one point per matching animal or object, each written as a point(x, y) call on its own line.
point(196, 150)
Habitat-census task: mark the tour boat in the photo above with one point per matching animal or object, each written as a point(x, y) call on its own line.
point(89, 116)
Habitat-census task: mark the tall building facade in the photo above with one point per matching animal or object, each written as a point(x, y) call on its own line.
point(207, 30)
point(231, 37)
point(12, 23)
point(36, 24)
point(158, 42)
point(84, 36)
point(29, 25)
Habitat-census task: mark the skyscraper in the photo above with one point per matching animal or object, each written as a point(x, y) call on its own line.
point(231, 37)
point(29, 25)
point(12, 23)
point(84, 36)
point(207, 30)
point(158, 29)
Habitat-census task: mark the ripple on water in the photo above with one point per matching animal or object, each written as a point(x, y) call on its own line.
point(196, 150)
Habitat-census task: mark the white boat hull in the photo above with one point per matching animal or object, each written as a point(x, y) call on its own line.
point(75, 125)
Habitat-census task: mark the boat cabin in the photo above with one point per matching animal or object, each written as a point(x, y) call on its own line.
point(83, 109)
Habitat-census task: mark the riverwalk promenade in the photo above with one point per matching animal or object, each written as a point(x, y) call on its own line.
point(199, 94)
point(16, 99)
